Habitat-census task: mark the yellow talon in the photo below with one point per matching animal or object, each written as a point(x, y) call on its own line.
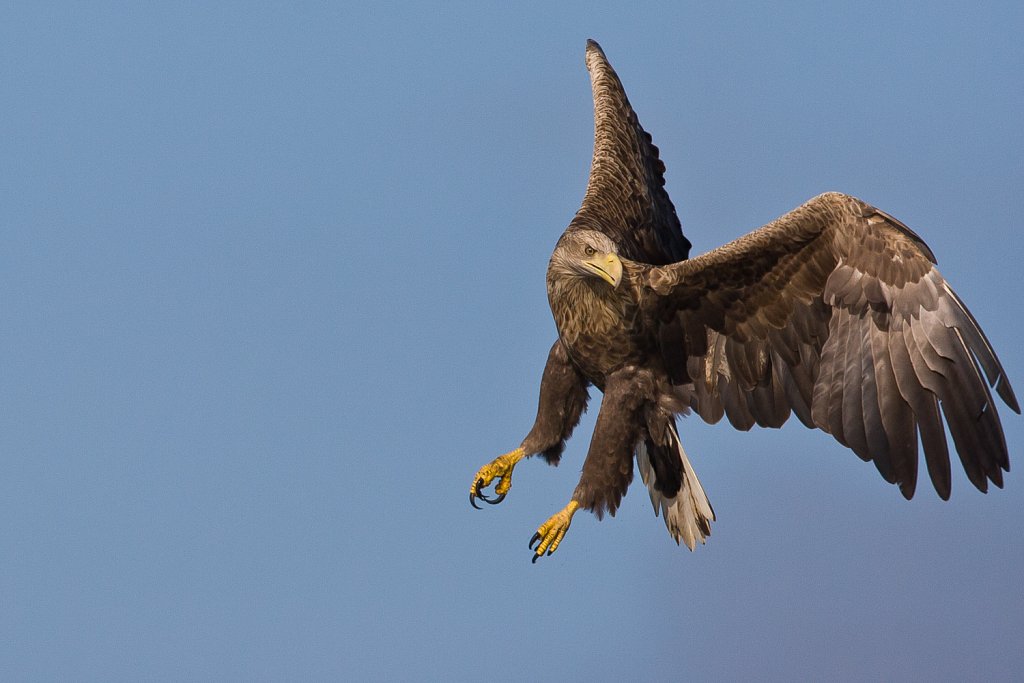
point(551, 532)
point(501, 469)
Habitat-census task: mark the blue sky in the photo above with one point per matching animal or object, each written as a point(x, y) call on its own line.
point(273, 290)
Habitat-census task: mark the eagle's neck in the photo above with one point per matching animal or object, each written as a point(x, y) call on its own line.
point(585, 306)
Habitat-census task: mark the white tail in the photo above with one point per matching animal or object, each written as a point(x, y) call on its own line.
point(688, 514)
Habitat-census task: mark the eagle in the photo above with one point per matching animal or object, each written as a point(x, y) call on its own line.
point(834, 312)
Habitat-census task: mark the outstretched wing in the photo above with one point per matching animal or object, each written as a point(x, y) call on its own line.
point(837, 312)
point(626, 197)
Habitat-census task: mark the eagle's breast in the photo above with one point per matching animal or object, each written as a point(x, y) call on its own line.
point(597, 325)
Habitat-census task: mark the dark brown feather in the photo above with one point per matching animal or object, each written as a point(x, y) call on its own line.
point(608, 468)
point(563, 398)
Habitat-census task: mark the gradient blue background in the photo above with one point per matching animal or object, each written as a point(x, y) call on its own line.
point(273, 289)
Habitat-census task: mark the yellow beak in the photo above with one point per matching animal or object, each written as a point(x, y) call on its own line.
point(607, 266)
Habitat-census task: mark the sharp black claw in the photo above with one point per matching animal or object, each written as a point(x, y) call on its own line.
point(535, 558)
point(478, 493)
point(536, 537)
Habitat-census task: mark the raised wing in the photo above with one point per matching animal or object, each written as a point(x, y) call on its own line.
point(626, 197)
point(837, 312)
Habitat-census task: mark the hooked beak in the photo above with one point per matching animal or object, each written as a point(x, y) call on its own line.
point(606, 266)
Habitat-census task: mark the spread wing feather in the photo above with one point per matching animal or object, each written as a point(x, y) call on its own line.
point(837, 313)
point(626, 197)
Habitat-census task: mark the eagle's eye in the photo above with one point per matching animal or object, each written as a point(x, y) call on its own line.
point(589, 251)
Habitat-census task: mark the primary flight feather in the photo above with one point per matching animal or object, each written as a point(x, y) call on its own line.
point(835, 312)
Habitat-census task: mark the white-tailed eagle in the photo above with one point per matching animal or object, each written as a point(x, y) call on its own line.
point(835, 312)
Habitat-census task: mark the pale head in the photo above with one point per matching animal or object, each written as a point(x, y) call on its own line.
point(586, 254)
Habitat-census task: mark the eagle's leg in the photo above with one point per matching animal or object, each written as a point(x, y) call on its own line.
point(609, 466)
point(551, 532)
point(563, 398)
point(501, 469)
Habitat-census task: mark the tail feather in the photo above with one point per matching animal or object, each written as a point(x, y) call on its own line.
point(688, 514)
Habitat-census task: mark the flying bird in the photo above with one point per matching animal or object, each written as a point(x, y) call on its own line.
point(834, 312)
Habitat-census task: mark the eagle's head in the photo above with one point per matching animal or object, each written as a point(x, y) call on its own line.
point(586, 254)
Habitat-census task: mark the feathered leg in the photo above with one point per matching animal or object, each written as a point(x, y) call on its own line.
point(609, 465)
point(563, 398)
